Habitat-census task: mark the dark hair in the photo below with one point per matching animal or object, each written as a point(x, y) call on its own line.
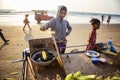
point(26, 15)
point(63, 8)
point(94, 21)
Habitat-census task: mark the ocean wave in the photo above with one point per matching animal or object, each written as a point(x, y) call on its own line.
point(9, 15)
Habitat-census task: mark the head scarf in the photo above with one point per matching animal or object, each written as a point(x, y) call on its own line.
point(59, 9)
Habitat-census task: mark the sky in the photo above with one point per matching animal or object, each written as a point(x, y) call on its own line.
point(98, 6)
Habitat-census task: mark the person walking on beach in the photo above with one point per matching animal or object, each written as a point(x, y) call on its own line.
point(3, 38)
point(93, 34)
point(108, 20)
point(60, 26)
point(26, 22)
point(102, 18)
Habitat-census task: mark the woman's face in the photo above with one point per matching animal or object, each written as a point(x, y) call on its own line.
point(62, 14)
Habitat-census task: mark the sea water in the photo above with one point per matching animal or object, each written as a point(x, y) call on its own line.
point(16, 17)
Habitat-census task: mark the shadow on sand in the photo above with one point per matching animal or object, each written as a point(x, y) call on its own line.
point(28, 35)
point(1, 46)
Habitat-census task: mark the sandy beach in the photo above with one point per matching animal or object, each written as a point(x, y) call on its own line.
point(19, 41)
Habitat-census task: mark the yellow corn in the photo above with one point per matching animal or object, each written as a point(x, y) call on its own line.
point(44, 55)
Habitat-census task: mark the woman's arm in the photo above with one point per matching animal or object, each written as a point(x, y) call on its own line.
point(90, 37)
point(69, 29)
point(47, 25)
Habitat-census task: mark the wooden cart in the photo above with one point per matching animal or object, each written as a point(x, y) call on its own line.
point(39, 72)
point(64, 64)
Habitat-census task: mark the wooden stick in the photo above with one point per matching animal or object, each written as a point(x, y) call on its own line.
point(116, 45)
point(30, 73)
point(25, 71)
point(31, 67)
point(58, 54)
point(22, 73)
point(74, 46)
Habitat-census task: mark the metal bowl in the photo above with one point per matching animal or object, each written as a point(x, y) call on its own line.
point(37, 59)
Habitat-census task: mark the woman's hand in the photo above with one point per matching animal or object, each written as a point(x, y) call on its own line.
point(42, 29)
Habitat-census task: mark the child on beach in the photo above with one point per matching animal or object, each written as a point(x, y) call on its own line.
point(26, 22)
point(92, 36)
point(60, 26)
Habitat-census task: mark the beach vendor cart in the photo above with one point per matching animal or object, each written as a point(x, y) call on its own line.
point(43, 61)
point(41, 15)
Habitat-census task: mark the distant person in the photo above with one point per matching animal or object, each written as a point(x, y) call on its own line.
point(26, 22)
point(3, 38)
point(102, 18)
point(93, 35)
point(108, 20)
point(61, 27)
